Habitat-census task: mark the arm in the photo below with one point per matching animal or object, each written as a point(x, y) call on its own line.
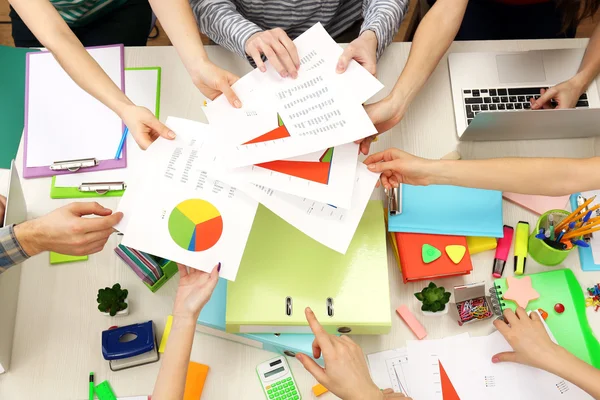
point(194, 291)
point(532, 346)
point(384, 18)
point(519, 175)
point(11, 252)
point(567, 93)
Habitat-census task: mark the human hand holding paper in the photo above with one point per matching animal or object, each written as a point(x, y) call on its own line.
point(397, 166)
point(194, 291)
point(144, 126)
point(213, 81)
point(362, 49)
point(279, 50)
point(385, 114)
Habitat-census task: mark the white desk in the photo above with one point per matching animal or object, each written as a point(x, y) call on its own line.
point(57, 339)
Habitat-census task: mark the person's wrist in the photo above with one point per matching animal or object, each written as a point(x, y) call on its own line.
point(581, 81)
point(437, 171)
point(554, 360)
point(184, 319)
point(29, 238)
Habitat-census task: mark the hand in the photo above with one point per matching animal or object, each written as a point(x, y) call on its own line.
point(346, 374)
point(565, 95)
point(213, 81)
point(389, 394)
point(65, 230)
point(194, 291)
point(527, 336)
point(144, 126)
point(363, 49)
point(397, 166)
point(385, 114)
point(279, 50)
point(2, 208)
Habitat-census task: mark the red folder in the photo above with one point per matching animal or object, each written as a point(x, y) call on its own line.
point(415, 269)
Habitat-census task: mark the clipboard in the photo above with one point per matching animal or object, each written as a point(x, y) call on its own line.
point(139, 98)
point(39, 62)
point(586, 258)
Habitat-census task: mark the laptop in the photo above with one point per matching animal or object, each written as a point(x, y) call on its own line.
point(16, 213)
point(491, 94)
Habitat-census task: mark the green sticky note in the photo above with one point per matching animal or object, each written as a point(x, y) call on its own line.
point(57, 258)
point(12, 101)
point(429, 253)
point(104, 391)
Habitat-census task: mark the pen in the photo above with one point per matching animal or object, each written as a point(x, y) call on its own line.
point(561, 234)
point(575, 213)
point(122, 143)
point(555, 245)
point(541, 235)
point(521, 244)
point(551, 226)
point(580, 243)
point(91, 386)
point(502, 251)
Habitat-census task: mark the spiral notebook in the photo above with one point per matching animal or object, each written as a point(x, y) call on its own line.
point(449, 210)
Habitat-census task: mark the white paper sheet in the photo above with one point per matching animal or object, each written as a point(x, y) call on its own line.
point(218, 219)
point(331, 226)
point(141, 87)
point(338, 189)
point(63, 122)
point(389, 369)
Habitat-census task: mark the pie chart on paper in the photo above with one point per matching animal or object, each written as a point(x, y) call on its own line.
point(195, 225)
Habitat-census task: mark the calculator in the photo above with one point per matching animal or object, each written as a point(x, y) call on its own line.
point(277, 380)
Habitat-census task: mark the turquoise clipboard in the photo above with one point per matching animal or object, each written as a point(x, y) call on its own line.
point(73, 192)
point(585, 253)
point(449, 210)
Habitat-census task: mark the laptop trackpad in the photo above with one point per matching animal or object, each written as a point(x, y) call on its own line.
point(521, 68)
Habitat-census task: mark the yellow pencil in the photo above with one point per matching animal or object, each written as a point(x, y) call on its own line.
point(575, 214)
point(572, 235)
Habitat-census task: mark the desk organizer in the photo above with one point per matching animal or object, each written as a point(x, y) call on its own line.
point(153, 271)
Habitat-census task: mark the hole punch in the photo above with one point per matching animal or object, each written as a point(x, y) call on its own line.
point(128, 337)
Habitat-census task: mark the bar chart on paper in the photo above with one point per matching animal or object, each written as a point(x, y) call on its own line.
point(195, 225)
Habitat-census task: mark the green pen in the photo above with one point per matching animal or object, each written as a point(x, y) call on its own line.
point(91, 386)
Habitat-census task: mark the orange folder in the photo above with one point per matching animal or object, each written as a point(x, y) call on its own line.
point(194, 381)
point(415, 269)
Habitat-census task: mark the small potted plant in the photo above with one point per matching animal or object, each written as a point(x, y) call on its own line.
point(113, 301)
point(434, 300)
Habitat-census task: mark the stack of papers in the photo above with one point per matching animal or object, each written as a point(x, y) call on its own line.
point(468, 371)
point(290, 148)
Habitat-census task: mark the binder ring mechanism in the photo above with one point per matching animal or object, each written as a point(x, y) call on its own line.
point(74, 165)
point(394, 200)
point(102, 187)
point(497, 300)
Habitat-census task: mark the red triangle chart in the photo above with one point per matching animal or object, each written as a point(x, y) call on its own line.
point(280, 132)
point(448, 391)
point(311, 171)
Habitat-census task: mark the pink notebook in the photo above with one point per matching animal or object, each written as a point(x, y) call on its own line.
point(537, 204)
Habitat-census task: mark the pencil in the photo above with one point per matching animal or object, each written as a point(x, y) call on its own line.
point(584, 232)
point(575, 214)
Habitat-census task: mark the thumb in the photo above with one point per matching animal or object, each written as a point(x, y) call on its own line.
point(544, 98)
point(89, 208)
point(232, 98)
point(344, 60)
point(313, 368)
point(507, 356)
point(382, 166)
point(161, 129)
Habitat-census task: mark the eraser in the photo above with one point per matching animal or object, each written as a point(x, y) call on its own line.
point(411, 321)
point(194, 381)
point(319, 390)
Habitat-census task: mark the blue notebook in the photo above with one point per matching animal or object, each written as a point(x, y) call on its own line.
point(449, 210)
point(585, 253)
point(212, 322)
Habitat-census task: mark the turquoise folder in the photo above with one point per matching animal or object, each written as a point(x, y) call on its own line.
point(212, 321)
point(449, 210)
point(12, 102)
point(585, 253)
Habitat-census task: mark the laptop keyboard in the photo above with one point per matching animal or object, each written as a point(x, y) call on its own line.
point(504, 99)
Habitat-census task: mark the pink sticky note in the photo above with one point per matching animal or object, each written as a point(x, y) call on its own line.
point(410, 320)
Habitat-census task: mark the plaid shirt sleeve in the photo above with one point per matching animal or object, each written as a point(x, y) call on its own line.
point(11, 252)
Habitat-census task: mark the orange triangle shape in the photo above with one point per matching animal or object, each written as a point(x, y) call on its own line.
point(448, 391)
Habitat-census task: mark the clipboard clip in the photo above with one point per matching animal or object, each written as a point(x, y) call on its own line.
point(394, 199)
point(74, 165)
point(102, 187)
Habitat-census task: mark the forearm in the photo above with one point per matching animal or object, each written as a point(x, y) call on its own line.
point(220, 20)
point(541, 176)
point(51, 30)
point(576, 371)
point(383, 17)
point(590, 65)
point(11, 250)
point(170, 383)
point(432, 39)
point(178, 21)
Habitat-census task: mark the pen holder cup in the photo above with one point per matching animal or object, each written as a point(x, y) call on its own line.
point(541, 252)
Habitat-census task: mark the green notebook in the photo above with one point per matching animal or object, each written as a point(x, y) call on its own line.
point(283, 271)
point(571, 328)
point(139, 95)
point(12, 102)
point(57, 258)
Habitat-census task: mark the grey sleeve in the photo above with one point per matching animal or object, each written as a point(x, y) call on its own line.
point(384, 18)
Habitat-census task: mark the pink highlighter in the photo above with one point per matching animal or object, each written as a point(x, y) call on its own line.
point(502, 251)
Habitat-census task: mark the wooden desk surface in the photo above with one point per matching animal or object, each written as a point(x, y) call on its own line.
point(57, 338)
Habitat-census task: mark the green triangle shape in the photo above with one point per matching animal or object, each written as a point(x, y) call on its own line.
point(430, 253)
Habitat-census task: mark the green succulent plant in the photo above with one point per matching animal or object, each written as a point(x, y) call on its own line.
point(434, 298)
point(112, 300)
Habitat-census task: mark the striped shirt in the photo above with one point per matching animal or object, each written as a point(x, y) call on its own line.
point(231, 22)
point(80, 12)
point(11, 252)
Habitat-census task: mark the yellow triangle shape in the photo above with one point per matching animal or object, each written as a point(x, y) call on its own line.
point(456, 252)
